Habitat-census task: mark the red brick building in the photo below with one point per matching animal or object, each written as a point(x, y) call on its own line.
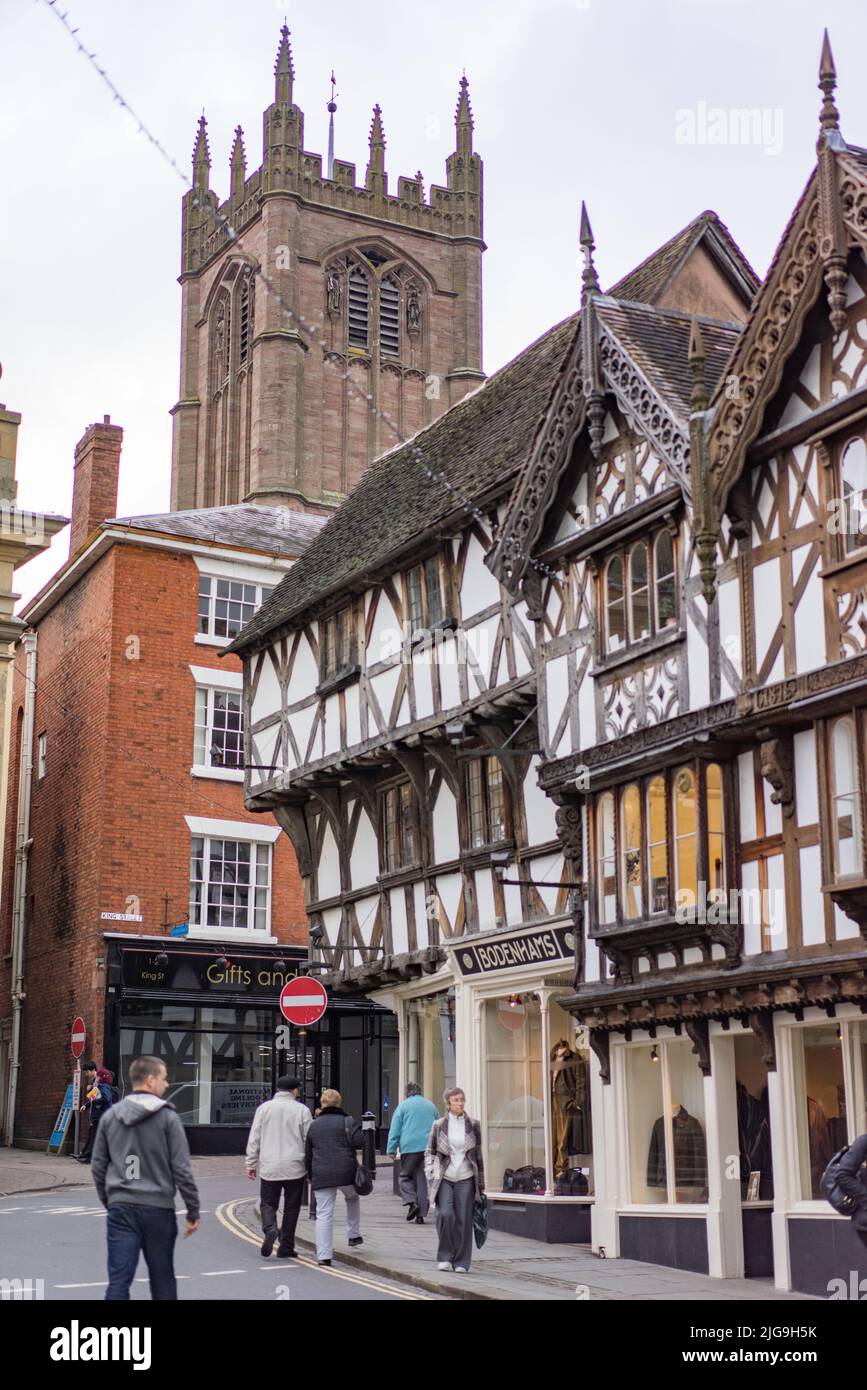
point(126, 815)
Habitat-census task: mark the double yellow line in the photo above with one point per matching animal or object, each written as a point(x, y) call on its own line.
point(226, 1215)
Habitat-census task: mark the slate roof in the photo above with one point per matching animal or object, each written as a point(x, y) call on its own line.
point(648, 280)
point(657, 340)
point(273, 530)
point(481, 443)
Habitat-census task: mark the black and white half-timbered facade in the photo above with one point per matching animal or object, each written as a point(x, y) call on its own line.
point(572, 748)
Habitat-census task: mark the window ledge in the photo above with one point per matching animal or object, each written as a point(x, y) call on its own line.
point(395, 878)
point(648, 647)
point(219, 774)
point(849, 562)
point(425, 637)
point(204, 639)
point(479, 857)
point(345, 676)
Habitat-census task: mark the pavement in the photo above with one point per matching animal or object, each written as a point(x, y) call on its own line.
point(24, 1170)
point(509, 1267)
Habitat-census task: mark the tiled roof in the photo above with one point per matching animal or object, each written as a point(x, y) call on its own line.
point(273, 530)
point(647, 281)
point(657, 340)
point(479, 444)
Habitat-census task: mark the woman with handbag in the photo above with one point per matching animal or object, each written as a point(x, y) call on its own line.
point(332, 1166)
point(455, 1174)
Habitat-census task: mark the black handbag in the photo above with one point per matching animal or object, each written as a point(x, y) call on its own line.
point(480, 1221)
point(363, 1178)
point(831, 1190)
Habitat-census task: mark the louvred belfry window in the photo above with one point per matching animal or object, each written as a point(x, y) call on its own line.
point(389, 318)
point(245, 319)
point(358, 308)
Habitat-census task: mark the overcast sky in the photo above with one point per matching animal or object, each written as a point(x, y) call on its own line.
point(572, 99)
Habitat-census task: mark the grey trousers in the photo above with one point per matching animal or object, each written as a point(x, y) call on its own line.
point(455, 1221)
point(412, 1182)
point(326, 1201)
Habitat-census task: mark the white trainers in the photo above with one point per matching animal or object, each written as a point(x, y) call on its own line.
point(460, 1269)
point(444, 1264)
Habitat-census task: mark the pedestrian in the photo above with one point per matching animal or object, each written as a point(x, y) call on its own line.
point(99, 1097)
point(852, 1178)
point(409, 1132)
point(276, 1150)
point(140, 1158)
point(332, 1141)
point(455, 1173)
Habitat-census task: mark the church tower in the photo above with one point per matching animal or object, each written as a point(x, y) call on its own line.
point(323, 319)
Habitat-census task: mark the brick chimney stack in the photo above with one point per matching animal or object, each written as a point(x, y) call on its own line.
point(94, 490)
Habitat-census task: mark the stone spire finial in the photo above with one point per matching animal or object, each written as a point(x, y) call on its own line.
point(376, 140)
point(201, 156)
point(238, 164)
point(284, 70)
point(464, 124)
point(589, 278)
point(829, 117)
point(697, 357)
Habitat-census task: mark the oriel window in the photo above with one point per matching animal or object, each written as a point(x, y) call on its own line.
point(639, 597)
point(845, 808)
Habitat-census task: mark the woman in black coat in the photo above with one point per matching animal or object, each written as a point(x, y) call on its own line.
point(332, 1141)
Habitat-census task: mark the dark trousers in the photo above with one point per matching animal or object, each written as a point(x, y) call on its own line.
point(269, 1199)
point(87, 1151)
point(455, 1221)
point(133, 1231)
point(412, 1182)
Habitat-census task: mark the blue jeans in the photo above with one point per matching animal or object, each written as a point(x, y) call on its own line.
point(133, 1231)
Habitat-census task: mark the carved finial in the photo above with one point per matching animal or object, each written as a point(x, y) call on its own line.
point(376, 164)
point(201, 156)
point(238, 164)
point(697, 357)
point(284, 70)
point(464, 124)
point(829, 117)
point(589, 279)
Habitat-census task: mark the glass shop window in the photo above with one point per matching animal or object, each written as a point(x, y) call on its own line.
point(666, 1122)
point(515, 1156)
point(820, 1101)
point(754, 1119)
point(571, 1129)
point(430, 1043)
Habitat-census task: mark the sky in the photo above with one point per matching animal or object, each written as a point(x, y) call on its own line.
point(619, 102)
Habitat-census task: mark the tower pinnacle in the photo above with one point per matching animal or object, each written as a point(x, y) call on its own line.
point(464, 124)
point(238, 164)
point(201, 156)
point(376, 163)
point(284, 70)
point(589, 278)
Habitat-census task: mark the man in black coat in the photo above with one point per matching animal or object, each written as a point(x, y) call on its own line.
point(332, 1141)
point(852, 1178)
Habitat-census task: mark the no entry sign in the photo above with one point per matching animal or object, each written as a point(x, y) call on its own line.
point(79, 1036)
point(303, 1000)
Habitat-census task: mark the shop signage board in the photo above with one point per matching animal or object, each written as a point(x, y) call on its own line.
point(303, 1001)
point(79, 1036)
point(61, 1124)
point(542, 946)
point(198, 970)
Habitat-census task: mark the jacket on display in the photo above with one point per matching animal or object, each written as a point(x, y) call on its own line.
point(571, 1098)
point(276, 1148)
point(690, 1152)
point(330, 1149)
point(754, 1138)
point(438, 1156)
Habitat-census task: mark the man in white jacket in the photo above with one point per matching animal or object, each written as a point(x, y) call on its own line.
point(275, 1150)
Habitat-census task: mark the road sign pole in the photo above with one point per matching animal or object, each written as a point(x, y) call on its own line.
point(76, 1105)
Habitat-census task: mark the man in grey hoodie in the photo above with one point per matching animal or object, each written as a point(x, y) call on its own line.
point(140, 1158)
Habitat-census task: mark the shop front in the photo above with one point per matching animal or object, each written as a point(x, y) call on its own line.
point(212, 1015)
point(527, 1071)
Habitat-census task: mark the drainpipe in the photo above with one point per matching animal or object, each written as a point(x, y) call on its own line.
point(23, 844)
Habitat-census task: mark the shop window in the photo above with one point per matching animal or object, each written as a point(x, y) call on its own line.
point(571, 1130)
point(754, 1119)
point(425, 602)
point(486, 802)
point(230, 884)
point(227, 605)
point(335, 639)
point(515, 1120)
point(430, 1043)
point(821, 1102)
point(219, 730)
point(399, 827)
point(666, 1124)
point(640, 593)
point(636, 873)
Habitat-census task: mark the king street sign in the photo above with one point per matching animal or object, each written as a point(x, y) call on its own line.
point(543, 946)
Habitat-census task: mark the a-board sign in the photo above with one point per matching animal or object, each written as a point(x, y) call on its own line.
point(61, 1124)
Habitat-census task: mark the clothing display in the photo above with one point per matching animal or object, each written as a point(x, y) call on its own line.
point(570, 1105)
point(754, 1139)
point(690, 1152)
point(821, 1145)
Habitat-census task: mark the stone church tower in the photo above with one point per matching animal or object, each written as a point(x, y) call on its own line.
point(376, 310)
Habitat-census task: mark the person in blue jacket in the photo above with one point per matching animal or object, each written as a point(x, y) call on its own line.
point(410, 1129)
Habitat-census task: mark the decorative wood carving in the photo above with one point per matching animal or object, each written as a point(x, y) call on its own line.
point(778, 769)
point(600, 1043)
point(293, 820)
point(698, 1031)
point(762, 1025)
point(641, 403)
point(570, 833)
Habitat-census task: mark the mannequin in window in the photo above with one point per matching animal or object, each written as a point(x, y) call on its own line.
point(569, 1105)
point(690, 1155)
point(821, 1148)
point(754, 1139)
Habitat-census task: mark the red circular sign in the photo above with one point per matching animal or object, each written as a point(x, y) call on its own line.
point(79, 1036)
point(303, 1000)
